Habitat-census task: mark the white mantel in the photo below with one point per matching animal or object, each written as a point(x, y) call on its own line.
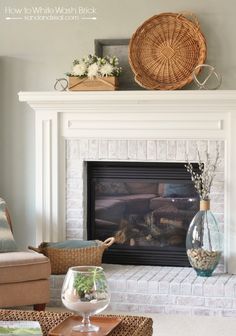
point(189, 115)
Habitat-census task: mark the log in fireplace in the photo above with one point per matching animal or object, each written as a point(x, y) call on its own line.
point(147, 207)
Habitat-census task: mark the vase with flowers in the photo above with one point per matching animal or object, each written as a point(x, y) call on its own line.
point(203, 240)
point(94, 73)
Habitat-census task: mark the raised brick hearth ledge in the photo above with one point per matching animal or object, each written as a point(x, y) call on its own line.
point(170, 290)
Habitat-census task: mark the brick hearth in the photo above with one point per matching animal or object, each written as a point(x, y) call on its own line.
point(171, 290)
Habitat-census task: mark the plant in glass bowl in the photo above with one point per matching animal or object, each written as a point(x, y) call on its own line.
point(203, 240)
point(85, 291)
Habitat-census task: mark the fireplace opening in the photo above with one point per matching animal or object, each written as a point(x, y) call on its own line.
point(147, 207)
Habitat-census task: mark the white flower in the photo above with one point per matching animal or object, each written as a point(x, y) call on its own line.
point(106, 69)
point(93, 70)
point(94, 66)
point(79, 69)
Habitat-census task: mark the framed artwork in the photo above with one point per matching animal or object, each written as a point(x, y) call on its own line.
point(119, 48)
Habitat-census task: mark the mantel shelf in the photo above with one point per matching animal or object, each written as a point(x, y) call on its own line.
point(187, 95)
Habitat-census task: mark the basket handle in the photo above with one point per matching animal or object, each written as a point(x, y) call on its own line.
point(36, 249)
point(191, 16)
point(109, 241)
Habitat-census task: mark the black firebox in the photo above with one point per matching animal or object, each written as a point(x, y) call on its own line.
point(147, 207)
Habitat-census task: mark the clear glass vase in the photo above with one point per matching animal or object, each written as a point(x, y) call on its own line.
point(203, 241)
point(85, 291)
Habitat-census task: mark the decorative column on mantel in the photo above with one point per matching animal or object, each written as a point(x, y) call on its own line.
point(146, 115)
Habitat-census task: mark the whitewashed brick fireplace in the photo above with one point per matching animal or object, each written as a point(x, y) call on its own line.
point(73, 128)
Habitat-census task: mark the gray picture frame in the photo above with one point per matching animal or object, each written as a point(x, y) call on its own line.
point(118, 48)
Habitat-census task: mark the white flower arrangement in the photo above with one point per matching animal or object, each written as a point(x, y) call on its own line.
point(94, 66)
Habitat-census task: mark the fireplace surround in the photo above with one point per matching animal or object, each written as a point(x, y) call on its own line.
point(75, 128)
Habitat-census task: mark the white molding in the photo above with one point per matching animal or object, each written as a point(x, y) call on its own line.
point(182, 125)
point(228, 96)
point(47, 168)
point(147, 115)
point(46, 178)
point(231, 188)
point(61, 182)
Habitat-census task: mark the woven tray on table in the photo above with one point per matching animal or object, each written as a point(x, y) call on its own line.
point(164, 51)
point(62, 259)
point(129, 326)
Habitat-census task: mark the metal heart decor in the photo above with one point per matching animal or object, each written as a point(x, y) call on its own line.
point(61, 84)
point(207, 78)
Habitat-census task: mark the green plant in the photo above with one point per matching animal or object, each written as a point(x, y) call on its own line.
point(89, 284)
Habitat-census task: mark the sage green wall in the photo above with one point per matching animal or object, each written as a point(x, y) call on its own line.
point(33, 54)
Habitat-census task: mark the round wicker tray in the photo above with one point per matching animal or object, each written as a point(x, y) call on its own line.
point(164, 51)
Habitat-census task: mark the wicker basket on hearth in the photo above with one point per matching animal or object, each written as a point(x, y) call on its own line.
point(62, 259)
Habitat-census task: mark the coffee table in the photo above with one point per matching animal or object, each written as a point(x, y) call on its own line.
point(129, 326)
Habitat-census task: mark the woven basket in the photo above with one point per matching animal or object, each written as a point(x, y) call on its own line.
point(62, 259)
point(129, 326)
point(165, 50)
point(110, 83)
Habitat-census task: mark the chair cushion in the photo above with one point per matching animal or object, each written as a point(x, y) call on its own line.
point(7, 242)
point(23, 266)
point(71, 244)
